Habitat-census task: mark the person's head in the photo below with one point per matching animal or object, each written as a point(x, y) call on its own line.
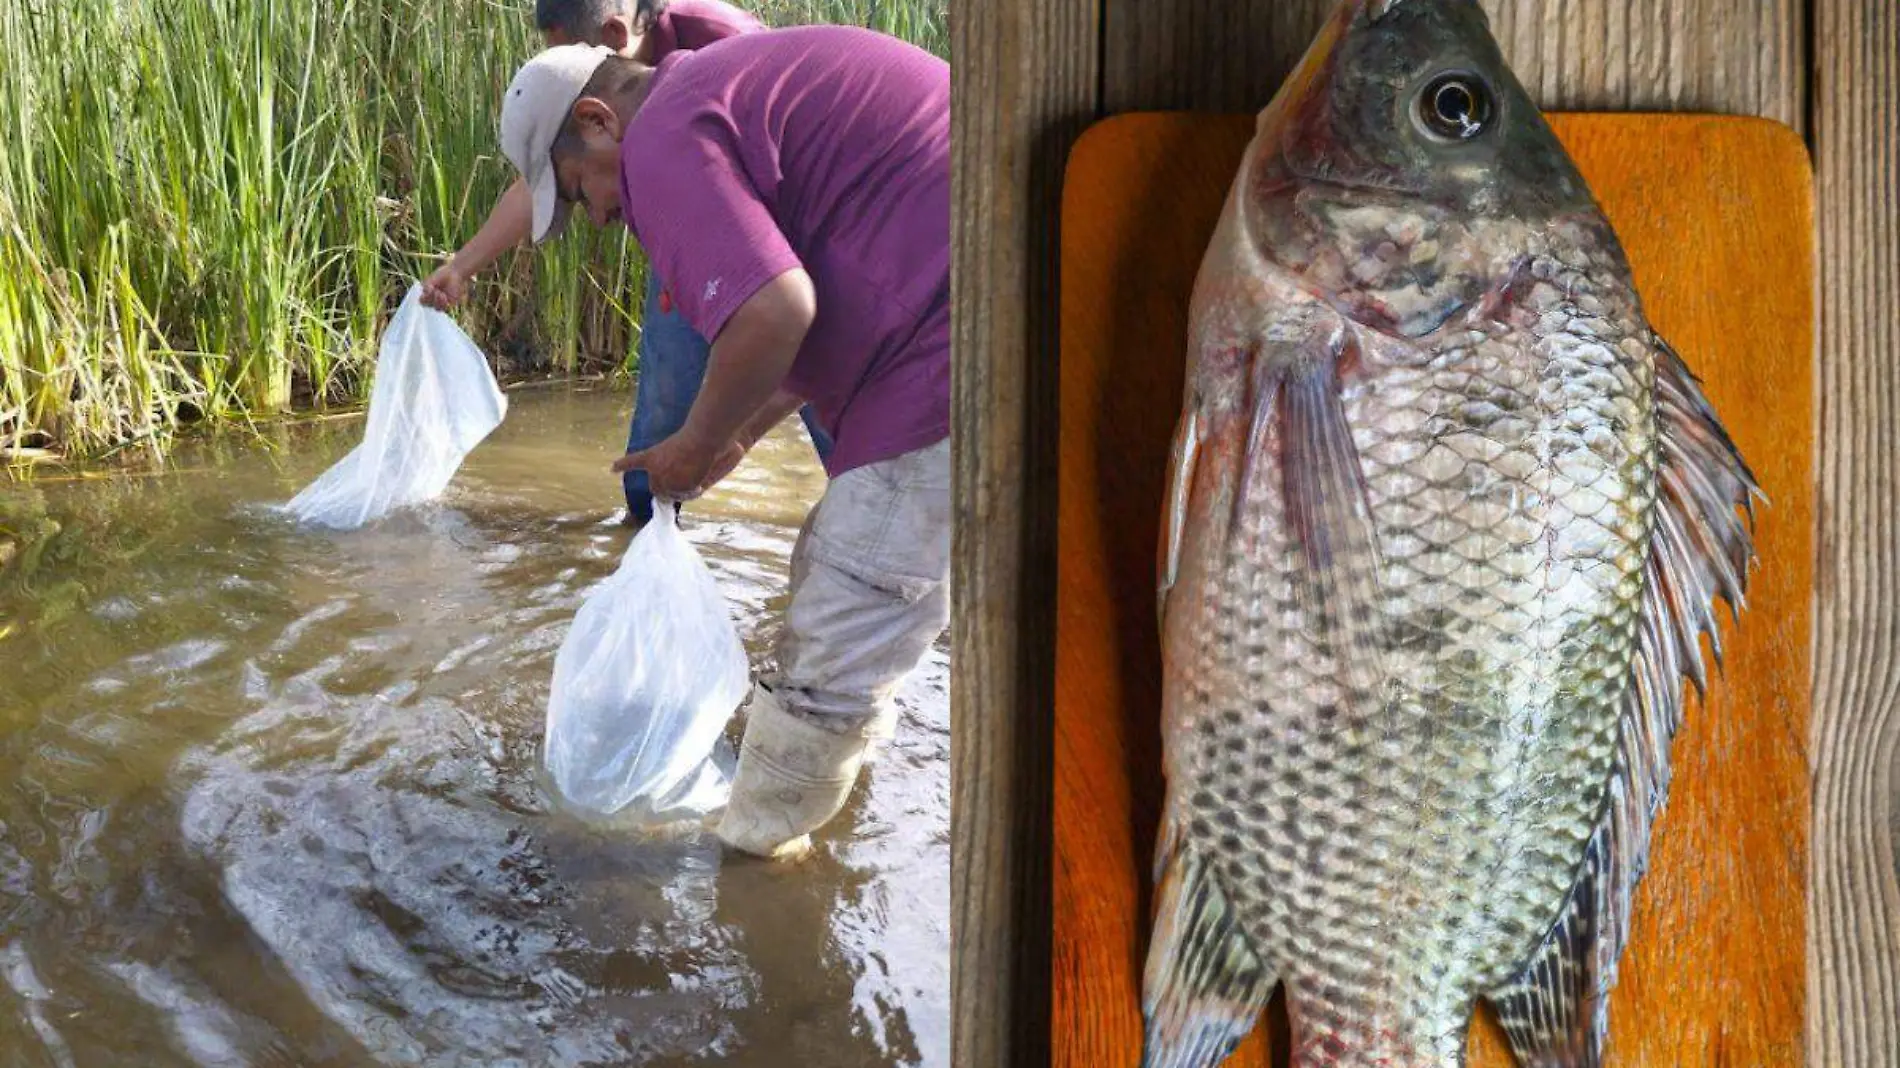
point(617, 24)
point(561, 125)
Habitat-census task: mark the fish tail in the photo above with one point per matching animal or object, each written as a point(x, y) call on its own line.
point(1205, 987)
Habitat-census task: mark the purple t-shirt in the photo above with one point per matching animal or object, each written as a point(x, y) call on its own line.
point(690, 24)
point(826, 147)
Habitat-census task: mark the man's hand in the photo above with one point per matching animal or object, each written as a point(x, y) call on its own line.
point(445, 288)
point(680, 469)
point(508, 226)
point(750, 358)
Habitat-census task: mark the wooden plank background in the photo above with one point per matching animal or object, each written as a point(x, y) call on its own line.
point(1854, 888)
point(1023, 86)
point(1031, 74)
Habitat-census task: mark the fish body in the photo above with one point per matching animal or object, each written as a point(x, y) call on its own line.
point(1445, 521)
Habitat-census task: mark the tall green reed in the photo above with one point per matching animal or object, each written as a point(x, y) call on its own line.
point(924, 23)
point(208, 208)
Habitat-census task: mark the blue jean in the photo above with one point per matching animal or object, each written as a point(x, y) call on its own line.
point(672, 366)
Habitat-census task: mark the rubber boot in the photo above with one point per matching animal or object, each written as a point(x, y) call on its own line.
point(793, 778)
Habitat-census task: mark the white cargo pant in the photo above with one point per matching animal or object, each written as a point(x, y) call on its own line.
point(870, 592)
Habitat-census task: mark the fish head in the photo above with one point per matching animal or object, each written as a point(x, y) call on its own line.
point(1414, 97)
point(1401, 161)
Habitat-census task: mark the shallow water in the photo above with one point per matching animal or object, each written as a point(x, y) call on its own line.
point(272, 796)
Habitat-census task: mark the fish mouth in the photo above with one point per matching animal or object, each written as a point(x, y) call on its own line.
point(1308, 178)
point(1303, 138)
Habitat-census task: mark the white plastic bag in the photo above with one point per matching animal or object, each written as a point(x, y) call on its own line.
point(433, 401)
point(645, 683)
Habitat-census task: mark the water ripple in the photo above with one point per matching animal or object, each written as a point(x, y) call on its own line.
point(275, 799)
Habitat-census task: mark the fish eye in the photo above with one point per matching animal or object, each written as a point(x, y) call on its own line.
point(1455, 107)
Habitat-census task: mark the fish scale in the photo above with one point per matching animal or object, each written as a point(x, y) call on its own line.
point(1328, 839)
point(1465, 584)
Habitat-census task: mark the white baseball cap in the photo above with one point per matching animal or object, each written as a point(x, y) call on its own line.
point(538, 102)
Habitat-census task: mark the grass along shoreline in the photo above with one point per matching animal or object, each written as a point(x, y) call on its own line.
point(209, 208)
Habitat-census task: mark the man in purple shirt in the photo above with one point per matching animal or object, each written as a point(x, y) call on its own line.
point(672, 355)
point(793, 187)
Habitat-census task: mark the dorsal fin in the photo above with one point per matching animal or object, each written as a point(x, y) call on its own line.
point(1556, 1012)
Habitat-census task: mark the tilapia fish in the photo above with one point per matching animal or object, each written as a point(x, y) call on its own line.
point(1445, 521)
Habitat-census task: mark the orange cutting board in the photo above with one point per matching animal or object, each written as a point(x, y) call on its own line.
point(1717, 216)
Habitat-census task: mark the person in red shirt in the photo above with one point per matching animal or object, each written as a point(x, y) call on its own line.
point(672, 355)
point(645, 30)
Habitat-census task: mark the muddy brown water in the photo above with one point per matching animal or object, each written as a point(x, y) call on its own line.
point(272, 797)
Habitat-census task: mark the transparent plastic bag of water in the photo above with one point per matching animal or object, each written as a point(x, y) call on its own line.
point(645, 682)
point(433, 401)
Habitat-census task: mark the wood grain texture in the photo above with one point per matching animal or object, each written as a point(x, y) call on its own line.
point(1736, 56)
point(1025, 85)
point(1716, 215)
point(1855, 890)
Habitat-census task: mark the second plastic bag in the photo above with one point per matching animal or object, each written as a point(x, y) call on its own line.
point(645, 683)
point(433, 401)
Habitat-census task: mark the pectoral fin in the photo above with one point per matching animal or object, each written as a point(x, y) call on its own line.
point(1300, 427)
point(1285, 433)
